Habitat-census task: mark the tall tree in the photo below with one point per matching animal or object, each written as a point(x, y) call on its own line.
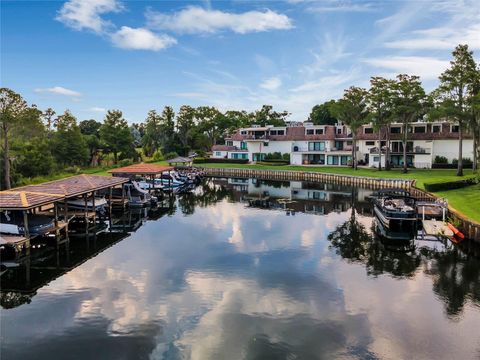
point(185, 126)
point(380, 109)
point(48, 118)
point(322, 114)
point(210, 123)
point(267, 116)
point(12, 107)
point(69, 146)
point(454, 91)
point(352, 111)
point(115, 133)
point(90, 129)
point(408, 104)
point(152, 139)
point(168, 129)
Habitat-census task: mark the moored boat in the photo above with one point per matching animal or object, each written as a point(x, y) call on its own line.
point(396, 211)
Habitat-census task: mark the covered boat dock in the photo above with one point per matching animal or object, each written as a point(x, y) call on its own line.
point(149, 171)
point(46, 198)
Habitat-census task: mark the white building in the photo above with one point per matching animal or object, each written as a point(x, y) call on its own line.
point(331, 145)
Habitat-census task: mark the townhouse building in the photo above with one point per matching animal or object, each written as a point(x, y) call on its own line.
point(310, 144)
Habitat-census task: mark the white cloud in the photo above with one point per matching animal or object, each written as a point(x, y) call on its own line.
point(98, 109)
point(342, 7)
point(58, 90)
point(271, 84)
point(141, 39)
point(426, 67)
point(85, 14)
point(440, 38)
point(195, 19)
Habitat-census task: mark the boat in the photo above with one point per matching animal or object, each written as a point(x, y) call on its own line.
point(138, 197)
point(396, 211)
point(393, 236)
point(150, 185)
point(79, 203)
point(11, 222)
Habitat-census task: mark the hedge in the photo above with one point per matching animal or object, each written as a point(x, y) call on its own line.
point(450, 166)
point(276, 161)
point(272, 163)
point(224, 161)
point(450, 185)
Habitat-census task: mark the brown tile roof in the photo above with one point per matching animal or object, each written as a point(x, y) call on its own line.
point(142, 169)
point(30, 196)
point(223, 148)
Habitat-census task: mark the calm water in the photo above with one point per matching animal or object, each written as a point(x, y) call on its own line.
point(211, 277)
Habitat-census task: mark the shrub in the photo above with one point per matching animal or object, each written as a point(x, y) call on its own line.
point(125, 162)
point(158, 156)
point(450, 185)
point(440, 160)
point(273, 156)
point(219, 161)
point(72, 169)
point(273, 163)
point(466, 162)
point(286, 157)
point(170, 155)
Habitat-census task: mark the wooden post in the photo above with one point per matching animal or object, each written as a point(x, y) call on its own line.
point(26, 231)
point(110, 202)
point(94, 209)
point(86, 213)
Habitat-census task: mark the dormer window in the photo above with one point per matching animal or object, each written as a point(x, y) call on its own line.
point(339, 131)
point(318, 131)
point(436, 128)
point(454, 128)
point(243, 132)
point(310, 131)
point(368, 130)
point(280, 132)
point(420, 129)
point(395, 130)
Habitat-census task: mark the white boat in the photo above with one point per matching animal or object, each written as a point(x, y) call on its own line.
point(79, 203)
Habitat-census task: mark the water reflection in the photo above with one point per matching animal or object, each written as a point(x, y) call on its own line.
point(215, 275)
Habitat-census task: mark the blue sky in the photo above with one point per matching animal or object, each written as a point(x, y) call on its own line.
point(93, 55)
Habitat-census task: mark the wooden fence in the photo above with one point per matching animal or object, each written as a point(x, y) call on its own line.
point(468, 227)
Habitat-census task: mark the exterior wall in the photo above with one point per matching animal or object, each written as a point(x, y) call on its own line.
point(422, 161)
point(296, 158)
point(449, 149)
point(219, 154)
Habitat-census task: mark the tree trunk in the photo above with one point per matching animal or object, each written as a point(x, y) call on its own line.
point(405, 167)
point(460, 151)
point(380, 149)
point(115, 157)
point(387, 152)
point(354, 153)
point(6, 158)
point(475, 145)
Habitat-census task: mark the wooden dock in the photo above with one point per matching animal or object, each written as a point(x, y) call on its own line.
point(436, 228)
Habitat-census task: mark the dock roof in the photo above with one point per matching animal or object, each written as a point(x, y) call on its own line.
point(142, 169)
point(31, 196)
point(180, 160)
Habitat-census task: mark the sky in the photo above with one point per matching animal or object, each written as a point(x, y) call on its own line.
point(89, 56)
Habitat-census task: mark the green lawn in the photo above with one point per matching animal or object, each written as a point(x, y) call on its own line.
point(466, 200)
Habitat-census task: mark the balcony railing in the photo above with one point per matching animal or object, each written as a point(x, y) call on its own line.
point(414, 150)
point(306, 149)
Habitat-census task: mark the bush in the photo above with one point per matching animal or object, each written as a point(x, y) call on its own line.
point(440, 160)
point(450, 185)
point(273, 163)
point(125, 162)
point(200, 160)
point(273, 156)
point(286, 157)
point(466, 162)
point(72, 170)
point(170, 155)
point(158, 156)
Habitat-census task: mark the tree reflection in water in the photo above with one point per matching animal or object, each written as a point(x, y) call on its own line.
point(455, 273)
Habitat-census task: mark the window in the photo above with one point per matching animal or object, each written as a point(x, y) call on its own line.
point(376, 158)
point(316, 146)
point(339, 145)
point(332, 160)
point(265, 144)
point(420, 129)
point(318, 131)
point(368, 130)
point(436, 128)
point(310, 131)
point(243, 132)
point(218, 153)
point(243, 145)
point(370, 143)
point(344, 159)
point(454, 128)
point(239, 156)
point(229, 143)
point(349, 142)
point(339, 130)
point(273, 132)
point(280, 132)
point(395, 130)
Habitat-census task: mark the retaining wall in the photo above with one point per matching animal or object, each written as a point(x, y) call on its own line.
point(468, 227)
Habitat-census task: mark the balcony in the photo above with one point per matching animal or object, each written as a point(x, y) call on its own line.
point(306, 150)
point(398, 150)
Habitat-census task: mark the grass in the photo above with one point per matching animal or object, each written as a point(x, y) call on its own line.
point(466, 200)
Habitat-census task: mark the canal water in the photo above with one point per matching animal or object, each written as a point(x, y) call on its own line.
point(244, 269)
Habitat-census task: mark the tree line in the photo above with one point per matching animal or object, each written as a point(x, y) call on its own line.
point(42, 143)
point(403, 100)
